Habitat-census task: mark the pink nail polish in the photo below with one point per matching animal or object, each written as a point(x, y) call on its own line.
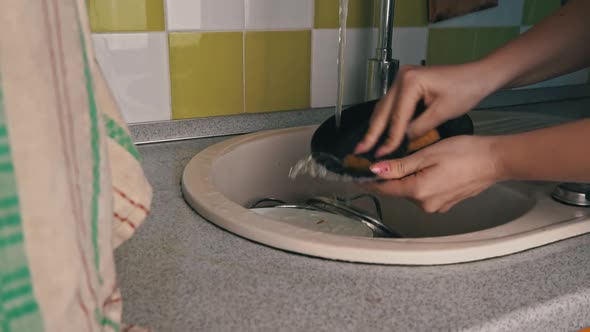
point(379, 169)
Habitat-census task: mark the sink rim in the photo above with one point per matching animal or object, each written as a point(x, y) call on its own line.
point(201, 194)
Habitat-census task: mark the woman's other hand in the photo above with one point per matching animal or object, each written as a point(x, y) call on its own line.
point(447, 91)
point(443, 174)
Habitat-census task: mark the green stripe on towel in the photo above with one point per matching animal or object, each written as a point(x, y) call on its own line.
point(14, 266)
point(119, 135)
point(95, 145)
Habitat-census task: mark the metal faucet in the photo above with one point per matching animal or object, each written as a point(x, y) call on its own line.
point(382, 69)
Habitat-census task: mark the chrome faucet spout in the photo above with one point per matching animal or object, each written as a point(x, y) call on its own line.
point(382, 69)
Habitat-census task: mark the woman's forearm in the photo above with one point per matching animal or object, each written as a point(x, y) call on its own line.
point(557, 45)
point(560, 153)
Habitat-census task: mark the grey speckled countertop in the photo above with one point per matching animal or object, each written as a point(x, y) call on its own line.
point(182, 273)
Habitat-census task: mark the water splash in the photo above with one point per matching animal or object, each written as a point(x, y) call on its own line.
point(310, 167)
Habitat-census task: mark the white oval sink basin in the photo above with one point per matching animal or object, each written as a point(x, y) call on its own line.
point(221, 181)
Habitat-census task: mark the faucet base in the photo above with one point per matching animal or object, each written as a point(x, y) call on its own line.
point(577, 194)
point(380, 76)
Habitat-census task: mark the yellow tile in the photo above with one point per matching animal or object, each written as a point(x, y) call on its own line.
point(326, 14)
point(277, 70)
point(126, 15)
point(410, 13)
point(206, 73)
point(360, 14)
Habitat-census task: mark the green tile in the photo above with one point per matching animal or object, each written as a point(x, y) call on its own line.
point(450, 46)
point(376, 14)
point(360, 14)
point(206, 74)
point(460, 45)
point(278, 66)
point(126, 15)
point(410, 13)
point(536, 10)
point(489, 39)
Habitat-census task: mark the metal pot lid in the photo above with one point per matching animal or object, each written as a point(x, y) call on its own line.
point(318, 221)
point(344, 208)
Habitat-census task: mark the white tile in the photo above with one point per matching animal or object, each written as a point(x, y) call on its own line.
point(409, 45)
point(279, 14)
point(185, 15)
point(507, 13)
point(136, 69)
point(360, 46)
point(575, 78)
point(324, 67)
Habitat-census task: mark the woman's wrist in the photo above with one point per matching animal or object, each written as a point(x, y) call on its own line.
point(490, 75)
point(500, 158)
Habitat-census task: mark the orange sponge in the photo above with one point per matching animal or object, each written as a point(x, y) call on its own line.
point(355, 162)
point(423, 141)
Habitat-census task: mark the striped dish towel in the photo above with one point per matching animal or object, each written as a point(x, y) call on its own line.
point(71, 183)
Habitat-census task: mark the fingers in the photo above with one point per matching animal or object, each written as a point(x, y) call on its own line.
point(432, 205)
point(403, 109)
point(397, 106)
point(448, 206)
point(399, 168)
point(411, 188)
point(408, 188)
point(401, 188)
point(458, 199)
point(378, 123)
point(430, 119)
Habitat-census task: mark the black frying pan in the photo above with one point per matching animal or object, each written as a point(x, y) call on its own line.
point(330, 145)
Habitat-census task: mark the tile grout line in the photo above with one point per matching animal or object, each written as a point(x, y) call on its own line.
point(426, 40)
point(313, 50)
point(474, 47)
point(167, 69)
point(302, 29)
point(168, 74)
point(311, 55)
point(521, 20)
point(235, 30)
point(244, 89)
point(533, 10)
point(244, 72)
point(224, 30)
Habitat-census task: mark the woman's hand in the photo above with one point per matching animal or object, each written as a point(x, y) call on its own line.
point(443, 174)
point(447, 91)
point(549, 49)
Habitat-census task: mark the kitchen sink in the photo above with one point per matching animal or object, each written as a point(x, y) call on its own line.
point(223, 181)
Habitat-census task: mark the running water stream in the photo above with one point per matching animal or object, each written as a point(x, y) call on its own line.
point(308, 165)
point(341, 47)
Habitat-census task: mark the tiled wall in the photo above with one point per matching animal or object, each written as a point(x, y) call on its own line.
point(175, 59)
